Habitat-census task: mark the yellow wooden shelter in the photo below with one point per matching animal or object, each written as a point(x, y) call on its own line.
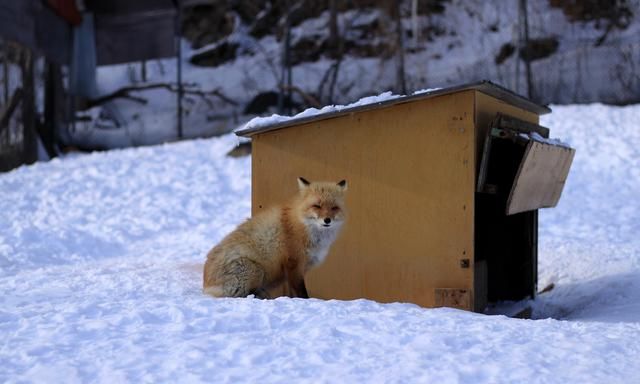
point(444, 188)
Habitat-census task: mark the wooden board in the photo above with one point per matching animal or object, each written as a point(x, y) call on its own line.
point(507, 100)
point(486, 109)
point(37, 27)
point(411, 174)
point(453, 298)
point(480, 286)
point(508, 244)
point(124, 7)
point(135, 37)
point(540, 178)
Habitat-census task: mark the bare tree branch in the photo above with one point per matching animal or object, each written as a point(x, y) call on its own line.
point(125, 93)
point(338, 50)
point(309, 99)
point(334, 76)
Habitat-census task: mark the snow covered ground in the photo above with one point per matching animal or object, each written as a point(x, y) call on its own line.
point(100, 275)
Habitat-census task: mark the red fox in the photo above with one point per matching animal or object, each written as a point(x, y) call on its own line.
point(278, 245)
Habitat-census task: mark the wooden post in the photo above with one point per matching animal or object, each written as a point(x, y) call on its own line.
point(400, 72)
point(289, 69)
point(333, 28)
point(53, 102)
point(30, 144)
point(143, 71)
point(5, 70)
point(284, 96)
point(9, 107)
point(525, 33)
point(414, 22)
point(179, 66)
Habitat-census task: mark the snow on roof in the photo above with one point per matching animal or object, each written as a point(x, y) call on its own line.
point(259, 122)
point(535, 136)
point(275, 121)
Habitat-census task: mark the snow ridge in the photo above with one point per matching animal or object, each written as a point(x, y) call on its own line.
point(101, 263)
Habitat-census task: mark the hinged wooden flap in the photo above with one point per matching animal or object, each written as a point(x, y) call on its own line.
point(509, 128)
point(541, 176)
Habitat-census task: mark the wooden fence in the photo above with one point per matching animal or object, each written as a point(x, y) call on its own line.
point(18, 114)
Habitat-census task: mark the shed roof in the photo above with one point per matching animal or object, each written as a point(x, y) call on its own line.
point(484, 86)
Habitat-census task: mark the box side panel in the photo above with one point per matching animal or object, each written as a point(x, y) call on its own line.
point(411, 175)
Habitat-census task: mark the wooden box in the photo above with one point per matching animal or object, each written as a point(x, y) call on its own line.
point(421, 227)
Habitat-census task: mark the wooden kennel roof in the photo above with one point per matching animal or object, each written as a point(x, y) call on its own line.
point(483, 86)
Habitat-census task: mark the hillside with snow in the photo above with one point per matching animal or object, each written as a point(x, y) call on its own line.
point(100, 279)
point(234, 66)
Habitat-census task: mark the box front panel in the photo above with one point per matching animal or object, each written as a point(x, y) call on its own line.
point(506, 245)
point(410, 169)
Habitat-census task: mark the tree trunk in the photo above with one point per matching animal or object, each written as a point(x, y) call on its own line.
point(333, 29)
point(180, 94)
point(30, 143)
point(5, 71)
point(401, 87)
point(284, 95)
point(525, 34)
point(414, 23)
point(53, 108)
point(143, 71)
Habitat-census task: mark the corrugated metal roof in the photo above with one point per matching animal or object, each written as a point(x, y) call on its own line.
point(484, 86)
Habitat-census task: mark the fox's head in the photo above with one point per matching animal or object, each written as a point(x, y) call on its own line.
point(322, 203)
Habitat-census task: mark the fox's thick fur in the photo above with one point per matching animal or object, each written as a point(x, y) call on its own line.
point(278, 245)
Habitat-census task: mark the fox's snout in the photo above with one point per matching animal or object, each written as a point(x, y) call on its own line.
point(328, 221)
point(324, 219)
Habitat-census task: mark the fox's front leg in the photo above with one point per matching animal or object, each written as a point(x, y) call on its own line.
point(302, 289)
point(295, 280)
point(297, 288)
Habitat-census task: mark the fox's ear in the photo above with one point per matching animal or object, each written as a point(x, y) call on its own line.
point(342, 184)
point(303, 183)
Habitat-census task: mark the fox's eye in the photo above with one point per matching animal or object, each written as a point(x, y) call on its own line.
point(316, 206)
point(335, 209)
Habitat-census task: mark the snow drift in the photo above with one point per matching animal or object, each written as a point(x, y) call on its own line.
point(100, 280)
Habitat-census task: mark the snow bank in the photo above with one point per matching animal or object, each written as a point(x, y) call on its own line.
point(100, 275)
point(157, 201)
point(588, 244)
